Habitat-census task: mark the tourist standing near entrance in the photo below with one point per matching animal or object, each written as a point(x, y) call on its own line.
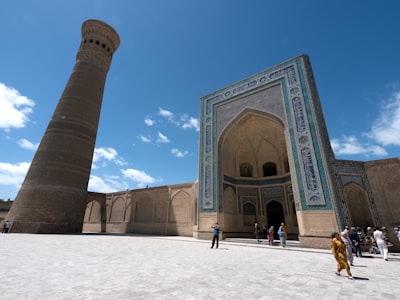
point(338, 248)
point(271, 235)
point(355, 239)
point(257, 231)
point(381, 243)
point(215, 235)
point(282, 232)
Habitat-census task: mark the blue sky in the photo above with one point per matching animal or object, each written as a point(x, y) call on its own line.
point(174, 52)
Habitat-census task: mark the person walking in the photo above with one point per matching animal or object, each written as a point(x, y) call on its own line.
point(6, 227)
point(282, 232)
point(349, 248)
point(381, 242)
point(355, 240)
point(338, 248)
point(215, 226)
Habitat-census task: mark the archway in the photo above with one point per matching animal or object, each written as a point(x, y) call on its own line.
point(252, 168)
point(357, 201)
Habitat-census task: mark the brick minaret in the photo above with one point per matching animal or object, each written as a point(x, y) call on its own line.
point(52, 198)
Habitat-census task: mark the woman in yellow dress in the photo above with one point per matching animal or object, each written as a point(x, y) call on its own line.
point(339, 252)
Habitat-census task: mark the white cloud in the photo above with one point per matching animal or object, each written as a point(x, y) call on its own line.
point(190, 123)
point(350, 145)
point(14, 108)
point(13, 174)
point(106, 185)
point(386, 128)
point(25, 144)
point(166, 113)
point(162, 138)
point(140, 177)
point(179, 153)
point(145, 139)
point(149, 122)
point(169, 115)
point(104, 155)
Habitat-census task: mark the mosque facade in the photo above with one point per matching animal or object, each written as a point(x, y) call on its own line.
point(264, 156)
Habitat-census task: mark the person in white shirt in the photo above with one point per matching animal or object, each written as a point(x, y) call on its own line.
point(381, 243)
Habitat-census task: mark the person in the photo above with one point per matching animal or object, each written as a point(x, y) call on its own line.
point(355, 241)
point(271, 235)
point(381, 242)
point(215, 226)
point(398, 233)
point(349, 248)
point(338, 248)
point(6, 226)
point(257, 231)
point(282, 232)
point(264, 229)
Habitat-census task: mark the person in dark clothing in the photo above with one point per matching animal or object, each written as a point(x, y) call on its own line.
point(6, 227)
point(355, 239)
point(216, 235)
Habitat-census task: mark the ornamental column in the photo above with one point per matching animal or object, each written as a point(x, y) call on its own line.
point(53, 196)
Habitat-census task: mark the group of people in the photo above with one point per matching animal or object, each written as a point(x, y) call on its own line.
point(258, 232)
point(349, 241)
point(269, 233)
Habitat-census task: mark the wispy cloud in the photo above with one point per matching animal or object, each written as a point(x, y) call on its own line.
point(13, 174)
point(14, 108)
point(149, 122)
point(104, 155)
point(165, 113)
point(25, 144)
point(145, 139)
point(350, 145)
point(106, 184)
point(190, 122)
point(179, 153)
point(162, 138)
point(385, 131)
point(169, 116)
point(139, 177)
point(386, 128)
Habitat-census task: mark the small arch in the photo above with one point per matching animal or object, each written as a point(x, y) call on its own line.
point(269, 169)
point(118, 210)
point(249, 209)
point(246, 170)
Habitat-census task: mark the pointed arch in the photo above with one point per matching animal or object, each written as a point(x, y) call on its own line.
point(180, 206)
point(118, 210)
point(357, 202)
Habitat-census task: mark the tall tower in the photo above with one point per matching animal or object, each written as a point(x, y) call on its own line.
point(52, 198)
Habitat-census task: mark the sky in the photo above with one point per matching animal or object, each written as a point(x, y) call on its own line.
point(174, 52)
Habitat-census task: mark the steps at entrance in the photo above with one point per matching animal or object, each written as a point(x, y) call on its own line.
point(290, 243)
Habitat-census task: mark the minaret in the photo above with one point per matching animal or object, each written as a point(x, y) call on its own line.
point(53, 196)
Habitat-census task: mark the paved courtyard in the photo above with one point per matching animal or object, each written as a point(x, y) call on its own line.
point(151, 267)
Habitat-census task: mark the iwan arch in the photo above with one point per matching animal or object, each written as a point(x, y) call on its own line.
point(264, 156)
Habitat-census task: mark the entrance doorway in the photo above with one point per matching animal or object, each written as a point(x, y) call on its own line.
point(275, 216)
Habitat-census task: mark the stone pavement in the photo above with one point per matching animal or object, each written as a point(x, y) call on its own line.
point(90, 266)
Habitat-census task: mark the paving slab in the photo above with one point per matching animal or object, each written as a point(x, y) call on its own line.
point(92, 266)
